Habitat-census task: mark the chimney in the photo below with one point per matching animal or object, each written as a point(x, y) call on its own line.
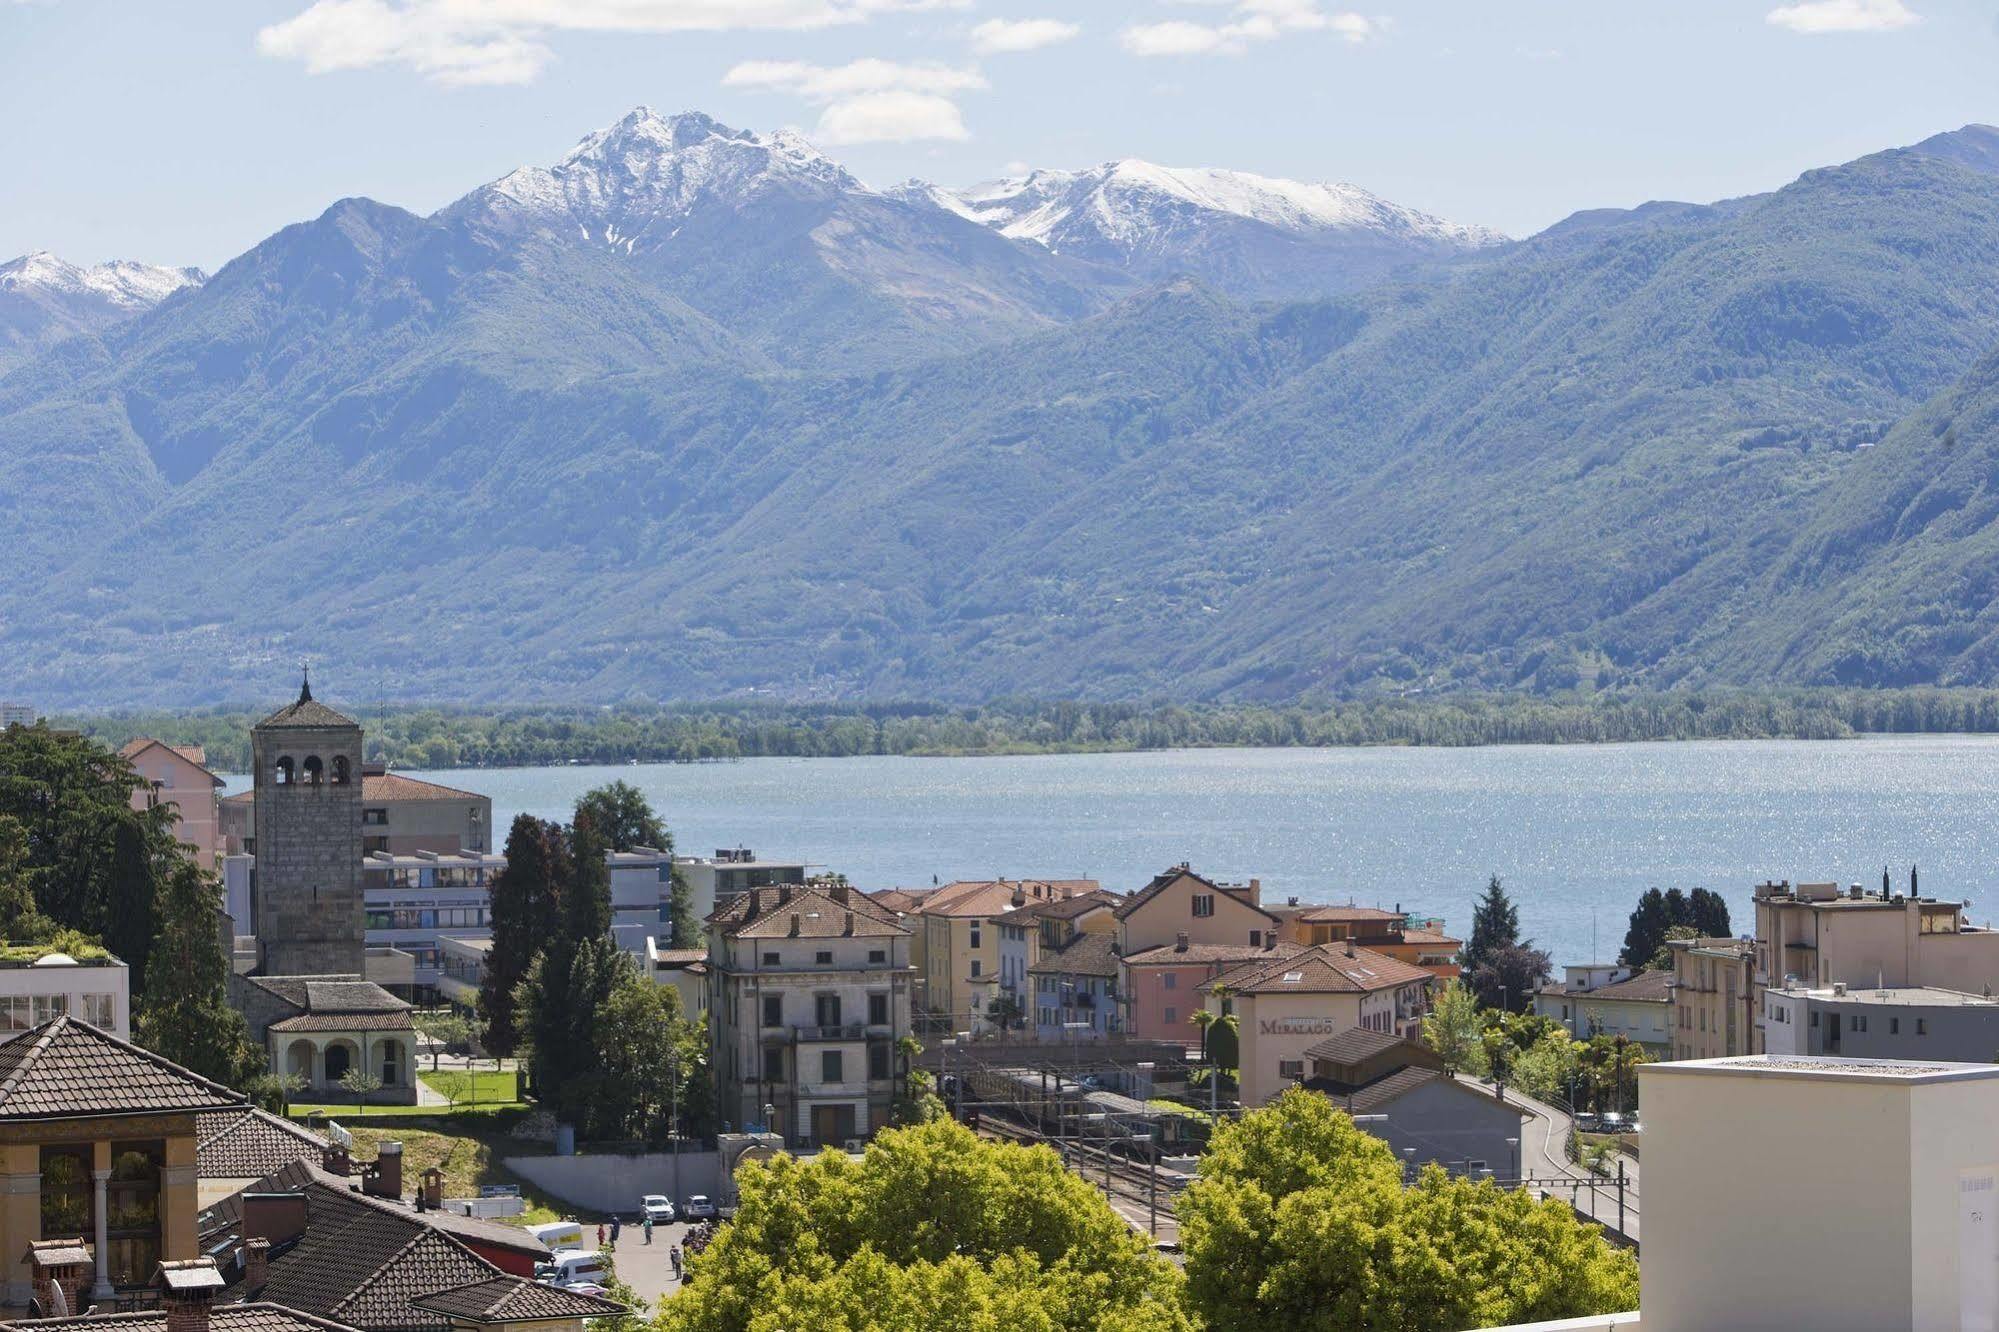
point(432, 1189)
point(58, 1269)
point(1290, 901)
point(336, 1161)
point(1019, 898)
point(187, 1286)
point(795, 924)
point(839, 892)
point(1180, 942)
point(256, 1265)
point(1269, 940)
point(784, 894)
point(383, 1177)
point(275, 1218)
point(1256, 892)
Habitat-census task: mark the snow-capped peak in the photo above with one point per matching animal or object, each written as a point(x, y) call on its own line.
point(120, 284)
point(631, 182)
point(1129, 202)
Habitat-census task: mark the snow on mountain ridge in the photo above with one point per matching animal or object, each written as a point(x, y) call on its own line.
point(123, 284)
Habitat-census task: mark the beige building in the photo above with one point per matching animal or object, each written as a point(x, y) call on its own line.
point(1714, 999)
point(178, 775)
point(400, 816)
point(1284, 1006)
point(808, 993)
point(961, 946)
point(1595, 1000)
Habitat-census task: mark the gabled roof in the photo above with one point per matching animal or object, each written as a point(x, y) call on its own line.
point(194, 754)
point(1325, 969)
point(1194, 954)
point(248, 1143)
point(1084, 955)
point(513, 1299)
point(344, 1022)
point(767, 913)
point(1329, 913)
point(1646, 987)
point(68, 1069)
point(1065, 908)
point(331, 994)
point(259, 1317)
point(1353, 1045)
point(1378, 1095)
point(1161, 882)
point(991, 897)
point(901, 899)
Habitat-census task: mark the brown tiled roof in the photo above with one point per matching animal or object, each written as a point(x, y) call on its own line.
point(307, 713)
point(1647, 987)
point(1325, 969)
point(58, 1253)
point(766, 913)
point(1172, 954)
point(681, 956)
point(331, 994)
point(990, 897)
point(1327, 913)
point(1376, 1096)
point(901, 899)
point(1161, 882)
point(68, 1069)
point(514, 1299)
point(240, 798)
point(248, 1143)
point(1353, 1045)
point(258, 1317)
point(345, 1022)
point(1066, 908)
point(1430, 937)
point(194, 754)
point(392, 786)
point(1084, 955)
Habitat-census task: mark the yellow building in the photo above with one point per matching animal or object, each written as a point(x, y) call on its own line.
point(1714, 1010)
point(98, 1143)
point(961, 946)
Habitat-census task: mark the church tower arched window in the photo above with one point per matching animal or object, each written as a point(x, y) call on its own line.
point(313, 770)
point(340, 771)
point(281, 771)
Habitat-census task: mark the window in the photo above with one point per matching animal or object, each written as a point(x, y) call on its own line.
point(1256, 938)
point(1291, 1068)
point(878, 1010)
point(1894, 1026)
point(773, 1010)
point(774, 1064)
point(975, 966)
point(823, 958)
point(1859, 1023)
point(375, 818)
point(101, 1010)
point(770, 959)
point(1204, 905)
point(826, 1010)
point(1172, 1016)
point(877, 955)
point(312, 770)
point(47, 1006)
point(391, 1066)
point(281, 771)
point(1922, 1026)
point(975, 934)
point(829, 1066)
point(1815, 1018)
point(340, 771)
point(878, 1061)
point(1169, 980)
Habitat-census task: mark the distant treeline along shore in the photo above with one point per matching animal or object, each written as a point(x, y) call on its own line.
point(415, 737)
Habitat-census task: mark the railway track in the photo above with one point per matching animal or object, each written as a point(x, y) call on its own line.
point(1134, 1193)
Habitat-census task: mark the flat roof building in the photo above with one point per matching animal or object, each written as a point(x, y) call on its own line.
point(1913, 1022)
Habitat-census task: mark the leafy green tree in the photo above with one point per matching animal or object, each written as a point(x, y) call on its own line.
point(20, 920)
point(916, 1099)
point(274, 1091)
point(933, 1228)
point(1454, 1030)
point(360, 1084)
point(1702, 913)
point(444, 1029)
point(1546, 1070)
point(646, 1066)
point(688, 931)
point(139, 856)
point(1495, 924)
point(525, 905)
point(1300, 1220)
point(1508, 976)
point(184, 1014)
point(623, 817)
point(558, 1003)
point(1709, 911)
point(586, 894)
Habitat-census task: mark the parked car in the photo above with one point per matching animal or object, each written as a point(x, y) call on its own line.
point(559, 1234)
point(1588, 1121)
point(698, 1207)
point(1613, 1122)
point(658, 1207)
point(571, 1268)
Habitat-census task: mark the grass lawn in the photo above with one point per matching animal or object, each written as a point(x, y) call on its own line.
point(485, 1088)
point(468, 1156)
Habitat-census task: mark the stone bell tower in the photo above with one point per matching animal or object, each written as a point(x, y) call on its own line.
point(309, 919)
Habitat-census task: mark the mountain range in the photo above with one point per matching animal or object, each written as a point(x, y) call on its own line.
point(694, 412)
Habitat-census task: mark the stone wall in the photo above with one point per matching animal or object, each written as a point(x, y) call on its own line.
point(614, 1182)
point(309, 917)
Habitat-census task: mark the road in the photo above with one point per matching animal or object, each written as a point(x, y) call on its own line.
point(1543, 1157)
point(647, 1268)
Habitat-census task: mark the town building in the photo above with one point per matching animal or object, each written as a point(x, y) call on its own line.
point(178, 775)
point(641, 899)
point(40, 981)
point(961, 947)
point(686, 970)
point(809, 992)
point(1816, 935)
point(1033, 926)
point(400, 816)
point(713, 880)
point(414, 901)
point(1161, 988)
point(238, 1146)
point(906, 904)
point(1392, 933)
point(1285, 1005)
point(1400, 1092)
point(1597, 999)
point(320, 1027)
point(98, 1140)
point(461, 968)
point(1074, 989)
point(1910, 1023)
point(1714, 998)
point(17, 714)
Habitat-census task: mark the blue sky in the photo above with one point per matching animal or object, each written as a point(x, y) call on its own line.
point(185, 132)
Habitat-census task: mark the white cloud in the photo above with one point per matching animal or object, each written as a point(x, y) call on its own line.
point(1251, 21)
point(869, 101)
point(1844, 16)
point(1022, 34)
point(506, 41)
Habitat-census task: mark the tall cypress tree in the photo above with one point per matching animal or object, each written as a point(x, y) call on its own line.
point(586, 901)
point(185, 1013)
point(1495, 924)
point(1710, 914)
point(131, 910)
point(525, 909)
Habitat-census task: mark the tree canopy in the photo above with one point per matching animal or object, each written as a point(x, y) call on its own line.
point(1495, 924)
point(524, 905)
point(1507, 976)
point(932, 1229)
point(1702, 913)
point(1300, 1222)
point(623, 817)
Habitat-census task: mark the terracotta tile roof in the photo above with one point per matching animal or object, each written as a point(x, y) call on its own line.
point(308, 713)
point(1354, 1045)
point(901, 899)
point(258, 1317)
point(1161, 882)
point(240, 798)
point(514, 1299)
point(194, 754)
point(766, 913)
point(248, 1143)
point(392, 786)
point(1084, 955)
point(1067, 908)
point(1324, 969)
point(1647, 987)
point(1326, 912)
point(1430, 937)
point(68, 1069)
point(1172, 954)
point(331, 994)
point(990, 897)
point(345, 1022)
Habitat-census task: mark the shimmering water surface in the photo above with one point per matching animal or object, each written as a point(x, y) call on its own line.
point(1573, 830)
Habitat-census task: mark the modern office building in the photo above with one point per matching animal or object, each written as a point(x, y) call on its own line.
point(713, 880)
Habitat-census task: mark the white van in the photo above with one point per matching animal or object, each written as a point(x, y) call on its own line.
point(559, 1234)
point(573, 1267)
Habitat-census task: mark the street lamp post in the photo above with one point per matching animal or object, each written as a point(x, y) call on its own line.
point(1513, 1144)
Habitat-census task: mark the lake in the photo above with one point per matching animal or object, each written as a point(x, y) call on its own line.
point(1576, 831)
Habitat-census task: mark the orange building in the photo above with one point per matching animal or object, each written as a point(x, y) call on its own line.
point(1421, 943)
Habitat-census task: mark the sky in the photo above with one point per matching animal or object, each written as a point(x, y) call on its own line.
point(185, 132)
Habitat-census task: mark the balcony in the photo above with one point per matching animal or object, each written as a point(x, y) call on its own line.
point(806, 1032)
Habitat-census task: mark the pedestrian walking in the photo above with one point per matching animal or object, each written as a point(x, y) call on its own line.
point(674, 1255)
point(647, 1225)
point(600, 1234)
point(614, 1230)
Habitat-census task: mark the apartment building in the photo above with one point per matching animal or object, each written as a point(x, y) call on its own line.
point(1714, 998)
point(1161, 988)
point(1595, 999)
point(1284, 1006)
point(1034, 930)
point(809, 989)
point(1914, 1022)
point(178, 775)
point(1392, 933)
point(1178, 933)
point(39, 982)
point(713, 880)
point(961, 944)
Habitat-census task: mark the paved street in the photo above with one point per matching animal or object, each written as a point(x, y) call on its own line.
point(645, 1267)
point(1543, 1156)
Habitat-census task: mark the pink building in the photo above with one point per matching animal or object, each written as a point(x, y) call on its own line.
point(1175, 935)
point(178, 775)
point(1166, 985)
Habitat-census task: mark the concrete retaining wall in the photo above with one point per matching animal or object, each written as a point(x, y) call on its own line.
point(614, 1181)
